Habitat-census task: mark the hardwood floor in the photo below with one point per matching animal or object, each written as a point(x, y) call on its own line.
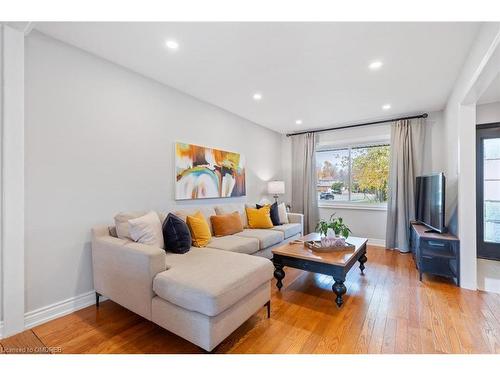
point(386, 311)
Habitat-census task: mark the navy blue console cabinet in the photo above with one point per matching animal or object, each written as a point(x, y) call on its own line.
point(435, 253)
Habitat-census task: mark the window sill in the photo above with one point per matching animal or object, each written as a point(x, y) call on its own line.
point(353, 206)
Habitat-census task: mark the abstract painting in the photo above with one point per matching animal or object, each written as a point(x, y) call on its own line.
point(203, 172)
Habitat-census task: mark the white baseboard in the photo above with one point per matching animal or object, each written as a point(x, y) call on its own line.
point(58, 309)
point(1, 329)
point(376, 242)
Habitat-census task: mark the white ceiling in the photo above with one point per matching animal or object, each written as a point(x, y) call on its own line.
point(492, 93)
point(317, 72)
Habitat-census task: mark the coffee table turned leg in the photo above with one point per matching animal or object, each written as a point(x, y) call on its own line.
point(279, 274)
point(339, 289)
point(362, 261)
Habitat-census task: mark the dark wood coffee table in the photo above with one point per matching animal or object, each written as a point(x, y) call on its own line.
point(336, 263)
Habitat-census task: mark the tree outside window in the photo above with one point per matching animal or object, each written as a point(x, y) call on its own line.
point(355, 174)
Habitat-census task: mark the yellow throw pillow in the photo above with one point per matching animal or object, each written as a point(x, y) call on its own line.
point(259, 218)
point(200, 231)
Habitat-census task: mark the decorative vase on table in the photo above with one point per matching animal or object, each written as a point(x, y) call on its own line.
point(332, 241)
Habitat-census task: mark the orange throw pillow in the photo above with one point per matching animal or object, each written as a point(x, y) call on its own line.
point(226, 224)
point(259, 218)
point(200, 231)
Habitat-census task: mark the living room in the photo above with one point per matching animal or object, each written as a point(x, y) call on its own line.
point(250, 187)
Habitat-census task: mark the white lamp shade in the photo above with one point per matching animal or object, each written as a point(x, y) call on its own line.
point(276, 187)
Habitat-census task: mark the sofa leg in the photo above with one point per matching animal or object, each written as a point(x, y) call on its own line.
point(97, 295)
point(268, 305)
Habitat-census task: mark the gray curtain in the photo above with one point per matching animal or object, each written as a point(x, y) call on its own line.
point(407, 147)
point(304, 195)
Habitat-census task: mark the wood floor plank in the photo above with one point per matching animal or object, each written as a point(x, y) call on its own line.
point(377, 337)
point(388, 310)
point(389, 341)
point(376, 309)
point(24, 343)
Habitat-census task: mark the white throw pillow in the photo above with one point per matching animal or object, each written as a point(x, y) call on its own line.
point(121, 223)
point(282, 213)
point(147, 230)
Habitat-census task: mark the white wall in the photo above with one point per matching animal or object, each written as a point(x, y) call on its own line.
point(488, 271)
point(434, 152)
point(371, 222)
point(100, 139)
point(488, 113)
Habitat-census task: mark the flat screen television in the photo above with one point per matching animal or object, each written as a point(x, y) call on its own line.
point(429, 203)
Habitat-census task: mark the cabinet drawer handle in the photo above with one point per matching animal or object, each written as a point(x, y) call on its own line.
point(437, 244)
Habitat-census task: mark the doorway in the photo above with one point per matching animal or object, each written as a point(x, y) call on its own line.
point(488, 191)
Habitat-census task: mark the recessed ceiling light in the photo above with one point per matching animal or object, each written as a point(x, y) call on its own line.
point(298, 122)
point(172, 44)
point(385, 107)
point(375, 65)
point(257, 96)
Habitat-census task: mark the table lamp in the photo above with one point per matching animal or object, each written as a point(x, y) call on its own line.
point(276, 188)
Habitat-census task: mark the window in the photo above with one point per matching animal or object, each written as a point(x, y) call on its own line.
point(357, 174)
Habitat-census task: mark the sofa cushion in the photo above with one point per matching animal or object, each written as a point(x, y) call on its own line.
point(224, 279)
point(234, 243)
point(289, 230)
point(266, 237)
point(176, 235)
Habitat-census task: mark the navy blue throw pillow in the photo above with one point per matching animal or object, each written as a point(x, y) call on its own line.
point(275, 217)
point(176, 235)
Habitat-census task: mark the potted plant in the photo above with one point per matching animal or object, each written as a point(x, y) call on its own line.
point(338, 227)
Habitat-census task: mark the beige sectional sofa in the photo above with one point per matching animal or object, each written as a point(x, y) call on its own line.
point(203, 295)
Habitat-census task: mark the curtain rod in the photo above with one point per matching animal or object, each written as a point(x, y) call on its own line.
point(424, 115)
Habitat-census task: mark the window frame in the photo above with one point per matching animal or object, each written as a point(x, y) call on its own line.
point(350, 204)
